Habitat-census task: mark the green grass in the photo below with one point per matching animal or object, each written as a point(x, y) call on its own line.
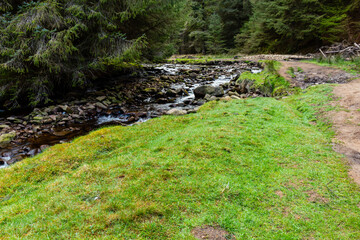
point(269, 81)
point(255, 167)
point(351, 66)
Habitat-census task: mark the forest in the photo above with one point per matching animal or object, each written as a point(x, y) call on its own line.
point(50, 46)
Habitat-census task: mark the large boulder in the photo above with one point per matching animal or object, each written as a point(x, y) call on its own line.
point(202, 91)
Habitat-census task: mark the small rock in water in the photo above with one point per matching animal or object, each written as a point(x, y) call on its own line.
point(176, 112)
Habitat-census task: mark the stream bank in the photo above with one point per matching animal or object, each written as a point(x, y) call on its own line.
point(125, 100)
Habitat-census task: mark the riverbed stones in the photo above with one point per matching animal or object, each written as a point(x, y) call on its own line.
point(176, 112)
point(202, 91)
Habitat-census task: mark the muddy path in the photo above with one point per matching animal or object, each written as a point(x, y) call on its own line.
point(302, 74)
point(346, 121)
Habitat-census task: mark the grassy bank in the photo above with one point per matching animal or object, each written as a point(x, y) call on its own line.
point(351, 66)
point(258, 168)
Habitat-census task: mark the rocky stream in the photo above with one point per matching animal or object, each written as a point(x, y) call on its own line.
point(126, 100)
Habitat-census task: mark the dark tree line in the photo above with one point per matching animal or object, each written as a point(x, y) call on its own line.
point(283, 26)
point(50, 46)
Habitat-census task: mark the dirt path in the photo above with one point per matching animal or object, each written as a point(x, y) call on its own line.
point(346, 122)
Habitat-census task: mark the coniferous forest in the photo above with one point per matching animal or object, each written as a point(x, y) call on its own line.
point(49, 46)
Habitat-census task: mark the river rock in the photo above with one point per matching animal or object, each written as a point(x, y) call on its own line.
point(11, 119)
point(193, 110)
point(66, 108)
point(235, 97)
point(101, 98)
point(6, 138)
point(100, 105)
point(202, 91)
point(226, 98)
point(4, 126)
point(171, 93)
point(245, 86)
point(43, 147)
point(176, 112)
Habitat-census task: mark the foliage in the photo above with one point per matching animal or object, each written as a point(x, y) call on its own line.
point(291, 26)
point(212, 25)
point(49, 46)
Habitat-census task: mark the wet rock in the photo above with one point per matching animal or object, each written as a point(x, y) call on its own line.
point(194, 110)
point(235, 97)
point(6, 138)
point(245, 86)
point(4, 126)
point(202, 91)
point(226, 98)
point(101, 98)
point(11, 119)
point(43, 147)
point(162, 100)
point(32, 152)
point(176, 112)
point(66, 108)
point(100, 105)
point(187, 101)
point(53, 117)
point(210, 98)
point(171, 93)
point(230, 93)
point(61, 133)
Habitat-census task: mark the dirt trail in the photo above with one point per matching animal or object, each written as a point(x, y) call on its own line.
point(346, 122)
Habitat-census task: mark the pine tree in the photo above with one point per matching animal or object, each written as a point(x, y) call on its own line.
point(234, 14)
point(52, 45)
point(292, 25)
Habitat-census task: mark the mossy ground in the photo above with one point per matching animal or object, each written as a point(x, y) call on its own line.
point(269, 81)
point(258, 168)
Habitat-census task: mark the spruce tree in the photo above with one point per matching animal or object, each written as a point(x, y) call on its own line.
point(53, 45)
